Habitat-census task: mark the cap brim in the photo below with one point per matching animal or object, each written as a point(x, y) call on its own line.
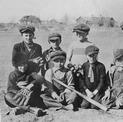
point(80, 31)
point(26, 30)
point(119, 56)
point(58, 57)
point(91, 53)
point(53, 38)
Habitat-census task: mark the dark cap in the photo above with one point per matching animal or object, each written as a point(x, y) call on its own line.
point(19, 59)
point(28, 28)
point(117, 53)
point(54, 36)
point(81, 28)
point(91, 50)
point(57, 55)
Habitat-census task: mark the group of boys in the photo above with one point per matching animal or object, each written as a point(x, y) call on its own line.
point(27, 88)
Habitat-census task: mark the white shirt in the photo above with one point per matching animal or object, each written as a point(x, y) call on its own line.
point(76, 52)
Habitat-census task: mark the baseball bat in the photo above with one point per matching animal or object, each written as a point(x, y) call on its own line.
point(83, 96)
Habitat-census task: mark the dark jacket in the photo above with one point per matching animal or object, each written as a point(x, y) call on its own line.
point(35, 52)
point(29, 77)
point(99, 77)
point(15, 77)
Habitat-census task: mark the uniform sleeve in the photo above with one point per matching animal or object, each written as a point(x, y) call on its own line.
point(40, 50)
point(12, 85)
point(44, 67)
point(108, 83)
point(48, 75)
point(82, 80)
point(102, 79)
point(15, 50)
point(48, 79)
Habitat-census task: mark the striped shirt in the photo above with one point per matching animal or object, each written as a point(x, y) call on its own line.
point(76, 52)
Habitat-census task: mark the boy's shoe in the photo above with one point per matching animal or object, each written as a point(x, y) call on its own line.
point(37, 111)
point(17, 111)
point(69, 107)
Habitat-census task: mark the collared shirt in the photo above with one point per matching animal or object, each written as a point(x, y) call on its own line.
point(63, 75)
point(29, 46)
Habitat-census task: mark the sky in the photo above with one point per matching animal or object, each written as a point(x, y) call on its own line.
point(13, 10)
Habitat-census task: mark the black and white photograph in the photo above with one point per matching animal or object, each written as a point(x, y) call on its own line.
point(61, 61)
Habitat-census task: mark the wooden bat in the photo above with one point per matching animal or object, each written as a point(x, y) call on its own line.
point(83, 96)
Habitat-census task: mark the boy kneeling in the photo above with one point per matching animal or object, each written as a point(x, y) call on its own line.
point(60, 96)
point(24, 86)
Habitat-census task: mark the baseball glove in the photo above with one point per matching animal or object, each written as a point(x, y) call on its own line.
point(22, 97)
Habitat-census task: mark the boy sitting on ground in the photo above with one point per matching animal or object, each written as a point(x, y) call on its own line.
point(94, 74)
point(60, 96)
point(24, 86)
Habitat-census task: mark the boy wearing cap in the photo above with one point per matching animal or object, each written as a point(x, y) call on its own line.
point(114, 93)
point(75, 54)
point(94, 74)
point(24, 86)
point(54, 40)
point(32, 50)
point(60, 96)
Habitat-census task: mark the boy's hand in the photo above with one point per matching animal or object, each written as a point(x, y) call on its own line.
point(62, 96)
point(107, 95)
point(29, 86)
point(89, 93)
point(37, 60)
point(55, 96)
point(22, 84)
point(95, 91)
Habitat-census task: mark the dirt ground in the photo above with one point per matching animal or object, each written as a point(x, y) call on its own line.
point(105, 39)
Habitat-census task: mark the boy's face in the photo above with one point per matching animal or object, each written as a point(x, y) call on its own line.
point(81, 34)
point(59, 62)
point(55, 43)
point(23, 67)
point(119, 62)
point(92, 58)
point(28, 37)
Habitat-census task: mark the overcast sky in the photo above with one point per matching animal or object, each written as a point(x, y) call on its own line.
point(11, 10)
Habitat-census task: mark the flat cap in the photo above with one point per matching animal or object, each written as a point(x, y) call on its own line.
point(27, 28)
point(117, 53)
point(91, 50)
point(54, 36)
point(19, 59)
point(81, 28)
point(57, 55)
